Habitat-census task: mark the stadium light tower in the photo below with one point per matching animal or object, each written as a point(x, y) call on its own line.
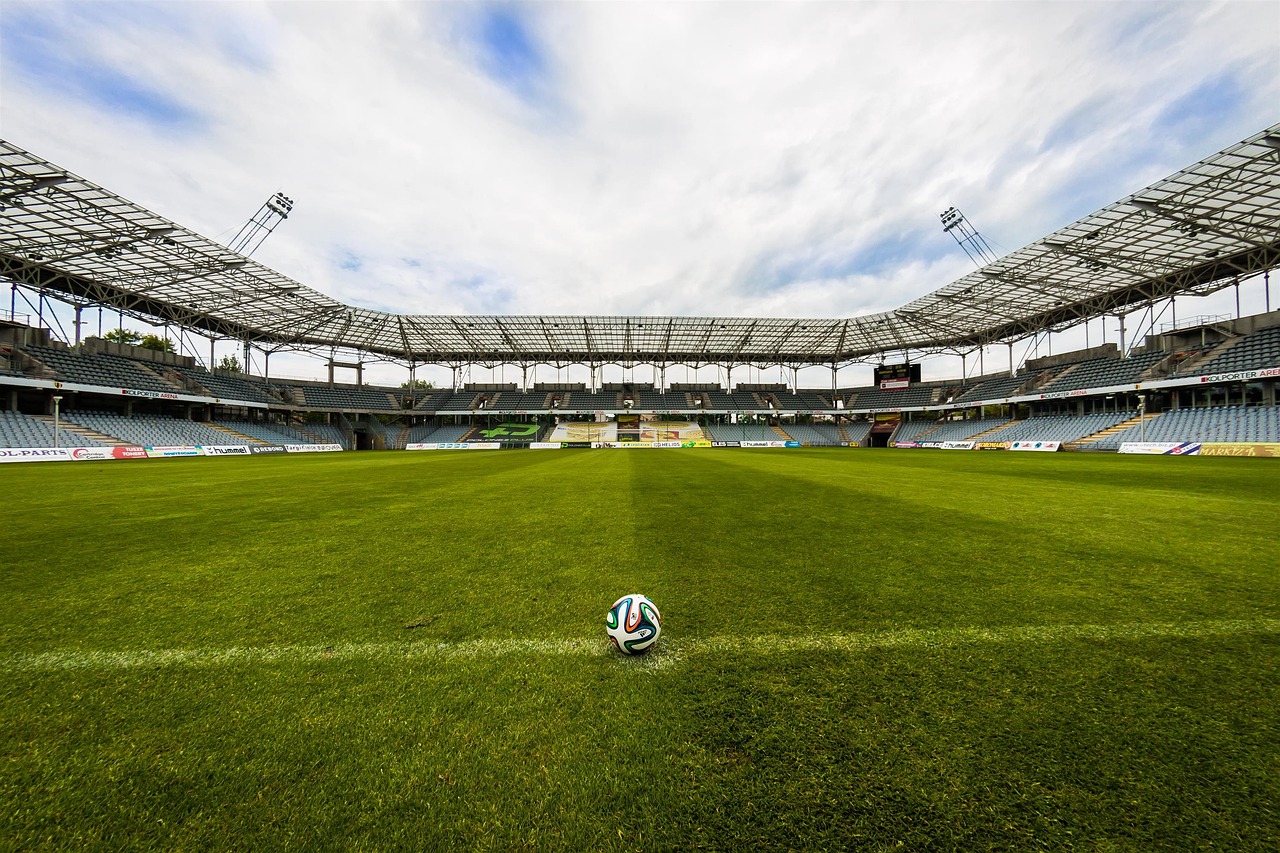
point(250, 236)
point(954, 223)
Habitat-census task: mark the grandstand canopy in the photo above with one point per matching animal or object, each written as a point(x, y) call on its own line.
point(1191, 233)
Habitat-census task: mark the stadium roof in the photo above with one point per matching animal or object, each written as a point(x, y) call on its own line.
point(1192, 233)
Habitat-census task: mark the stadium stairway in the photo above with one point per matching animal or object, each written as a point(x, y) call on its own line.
point(235, 434)
point(313, 437)
point(84, 432)
point(989, 431)
point(782, 434)
point(1086, 442)
point(1192, 364)
point(924, 436)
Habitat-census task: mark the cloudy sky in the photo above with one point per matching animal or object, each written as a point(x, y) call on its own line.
point(746, 159)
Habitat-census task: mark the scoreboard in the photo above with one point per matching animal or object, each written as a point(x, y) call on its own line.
point(892, 376)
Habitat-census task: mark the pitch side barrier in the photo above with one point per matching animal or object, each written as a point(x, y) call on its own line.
point(1035, 446)
point(1194, 448)
point(100, 454)
point(604, 445)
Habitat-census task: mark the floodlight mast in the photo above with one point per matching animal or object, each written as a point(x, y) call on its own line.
point(954, 223)
point(250, 236)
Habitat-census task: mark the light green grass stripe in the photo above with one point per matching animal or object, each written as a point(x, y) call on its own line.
point(669, 651)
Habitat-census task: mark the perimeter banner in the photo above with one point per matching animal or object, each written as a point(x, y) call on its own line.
point(169, 452)
point(1240, 449)
point(1042, 446)
point(95, 454)
point(1161, 448)
point(455, 445)
point(34, 454)
point(225, 449)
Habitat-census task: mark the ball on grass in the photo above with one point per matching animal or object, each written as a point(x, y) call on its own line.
point(633, 624)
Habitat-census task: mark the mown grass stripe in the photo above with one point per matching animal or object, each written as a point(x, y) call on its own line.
point(667, 653)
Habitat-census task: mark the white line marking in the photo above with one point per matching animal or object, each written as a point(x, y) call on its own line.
point(668, 653)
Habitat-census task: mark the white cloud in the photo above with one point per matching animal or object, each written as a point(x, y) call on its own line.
point(736, 159)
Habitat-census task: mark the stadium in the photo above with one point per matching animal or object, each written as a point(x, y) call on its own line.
point(348, 631)
point(1203, 385)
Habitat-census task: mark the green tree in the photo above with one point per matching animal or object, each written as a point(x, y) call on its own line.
point(156, 343)
point(229, 363)
point(122, 336)
point(417, 385)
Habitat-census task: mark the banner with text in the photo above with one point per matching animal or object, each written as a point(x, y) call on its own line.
point(1043, 446)
point(1240, 449)
point(1161, 448)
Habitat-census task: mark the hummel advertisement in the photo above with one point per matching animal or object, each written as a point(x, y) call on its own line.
point(226, 450)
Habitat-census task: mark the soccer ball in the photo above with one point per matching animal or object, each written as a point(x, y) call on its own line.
point(633, 624)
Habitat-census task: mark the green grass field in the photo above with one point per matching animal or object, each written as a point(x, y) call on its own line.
point(861, 650)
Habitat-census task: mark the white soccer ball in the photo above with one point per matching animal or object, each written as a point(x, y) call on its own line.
point(633, 624)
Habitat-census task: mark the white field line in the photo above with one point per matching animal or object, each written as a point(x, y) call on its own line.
point(667, 653)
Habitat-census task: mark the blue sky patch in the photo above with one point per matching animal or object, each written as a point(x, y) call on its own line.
point(49, 58)
point(510, 53)
point(1214, 102)
point(349, 261)
point(783, 269)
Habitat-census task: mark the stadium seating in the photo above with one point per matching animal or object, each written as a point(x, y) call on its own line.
point(229, 387)
point(460, 401)
point(1104, 372)
point(326, 434)
point(649, 400)
point(965, 430)
point(101, 369)
point(996, 388)
point(874, 398)
point(532, 401)
point(267, 433)
point(346, 398)
point(738, 401)
point(1254, 352)
point(816, 435)
point(433, 400)
point(19, 430)
point(910, 430)
point(152, 431)
point(588, 401)
point(435, 433)
point(740, 432)
point(1217, 424)
point(1062, 428)
point(857, 432)
point(804, 401)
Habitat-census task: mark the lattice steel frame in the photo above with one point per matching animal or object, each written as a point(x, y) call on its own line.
point(1194, 232)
